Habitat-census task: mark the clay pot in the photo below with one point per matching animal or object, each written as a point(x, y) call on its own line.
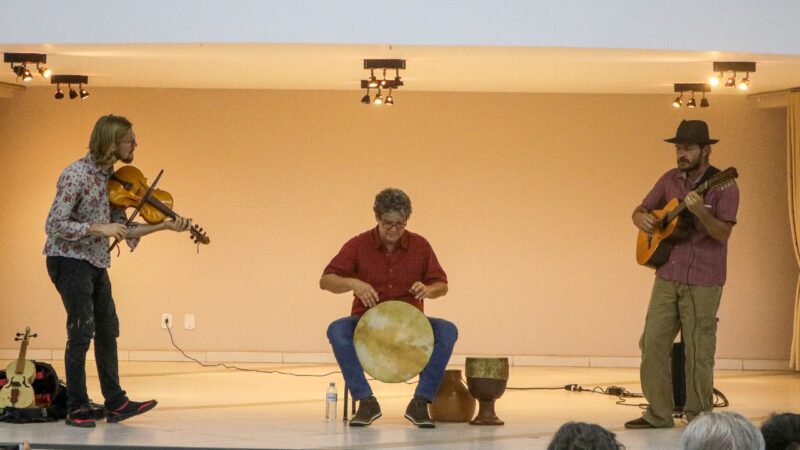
point(453, 402)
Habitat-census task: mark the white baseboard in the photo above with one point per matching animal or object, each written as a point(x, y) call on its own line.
point(328, 358)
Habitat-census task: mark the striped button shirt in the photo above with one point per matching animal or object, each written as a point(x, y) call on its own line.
point(699, 259)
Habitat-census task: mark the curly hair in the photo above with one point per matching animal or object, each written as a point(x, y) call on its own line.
point(392, 200)
point(781, 430)
point(583, 436)
point(107, 134)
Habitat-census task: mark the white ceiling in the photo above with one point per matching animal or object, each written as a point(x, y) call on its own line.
point(429, 68)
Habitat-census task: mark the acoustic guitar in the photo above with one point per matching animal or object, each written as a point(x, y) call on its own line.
point(18, 392)
point(653, 249)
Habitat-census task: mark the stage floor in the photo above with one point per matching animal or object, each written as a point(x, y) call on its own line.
point(218, 408)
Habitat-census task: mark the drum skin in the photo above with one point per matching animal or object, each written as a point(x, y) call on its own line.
point(394, 341)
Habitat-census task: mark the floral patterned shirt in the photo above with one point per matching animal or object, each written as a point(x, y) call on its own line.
point(81, 200)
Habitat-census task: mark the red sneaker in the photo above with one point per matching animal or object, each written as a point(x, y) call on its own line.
point(128, 410)
point(80, 417)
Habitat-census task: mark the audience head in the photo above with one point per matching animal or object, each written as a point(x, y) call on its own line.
point(782, 431)
point(583, 436)
point(721, 431)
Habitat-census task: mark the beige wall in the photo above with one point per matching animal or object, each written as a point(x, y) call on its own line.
point(526, 199)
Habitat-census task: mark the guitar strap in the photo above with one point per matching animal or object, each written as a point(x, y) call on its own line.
point(710, 172)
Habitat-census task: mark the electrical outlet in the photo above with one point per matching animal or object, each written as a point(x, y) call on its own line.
point(166, 320)
point(188, 321)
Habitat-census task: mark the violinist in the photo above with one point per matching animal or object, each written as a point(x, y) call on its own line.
point(78, 227)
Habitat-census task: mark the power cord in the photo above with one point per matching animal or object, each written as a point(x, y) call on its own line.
point(242, 369)
point(618, 391)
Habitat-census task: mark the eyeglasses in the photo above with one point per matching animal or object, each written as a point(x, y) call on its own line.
point(396, 225)
point(132, 142)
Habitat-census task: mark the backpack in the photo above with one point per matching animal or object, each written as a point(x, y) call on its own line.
point(51, 398)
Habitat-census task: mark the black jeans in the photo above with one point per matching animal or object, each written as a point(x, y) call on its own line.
point(86, 293)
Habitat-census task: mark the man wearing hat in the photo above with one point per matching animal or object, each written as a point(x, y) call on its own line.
point(688, 287)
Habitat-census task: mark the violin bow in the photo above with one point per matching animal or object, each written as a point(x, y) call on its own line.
point(144, 199)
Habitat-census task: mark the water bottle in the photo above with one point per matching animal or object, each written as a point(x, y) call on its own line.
point(331, 398)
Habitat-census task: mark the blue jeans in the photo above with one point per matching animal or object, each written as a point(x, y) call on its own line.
point(340, 335)
point(86, 293)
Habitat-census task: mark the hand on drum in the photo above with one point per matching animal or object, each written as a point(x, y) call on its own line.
point(365, 292)
point(419, 290)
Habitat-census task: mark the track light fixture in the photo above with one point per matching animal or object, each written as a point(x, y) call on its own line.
point(721, 68)
point(680, 88)
point(384, 83)
point(19, 64)
point(69, 80)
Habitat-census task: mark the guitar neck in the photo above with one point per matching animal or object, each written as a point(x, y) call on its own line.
point(21, 360)
point(682, 205)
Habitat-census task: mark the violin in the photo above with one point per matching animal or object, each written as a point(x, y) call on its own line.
point(18, 392)
point(128, 186)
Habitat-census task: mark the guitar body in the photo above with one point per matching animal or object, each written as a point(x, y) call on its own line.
point(653, 250)
point(18, 392)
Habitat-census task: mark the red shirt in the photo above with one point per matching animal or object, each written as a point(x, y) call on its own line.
point(699, 259)
point(391, 274)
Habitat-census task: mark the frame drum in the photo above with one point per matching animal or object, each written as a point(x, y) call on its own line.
point(394, 341)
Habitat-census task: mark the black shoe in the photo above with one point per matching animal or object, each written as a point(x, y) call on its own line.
point(128, 410)
point(417, 413)
point(639, 423)
point(368, 411)
point(81, 416)
point(98, 412)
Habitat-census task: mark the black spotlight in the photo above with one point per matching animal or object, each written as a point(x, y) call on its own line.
point(82, 92)
point(59, 95)
point(704, 102)
point(691, 103)
point(19, 71)
point(72, 93)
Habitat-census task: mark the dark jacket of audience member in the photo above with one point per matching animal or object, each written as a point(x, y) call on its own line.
point(781, 431)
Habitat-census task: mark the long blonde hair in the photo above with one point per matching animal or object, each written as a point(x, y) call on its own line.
point(106, 135)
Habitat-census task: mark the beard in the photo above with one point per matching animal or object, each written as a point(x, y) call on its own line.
point(127, 160)
point(684, 165)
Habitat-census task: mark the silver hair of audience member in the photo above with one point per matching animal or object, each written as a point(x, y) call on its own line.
point(722, 431)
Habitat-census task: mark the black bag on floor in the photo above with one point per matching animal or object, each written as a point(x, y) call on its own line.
point(51, 398)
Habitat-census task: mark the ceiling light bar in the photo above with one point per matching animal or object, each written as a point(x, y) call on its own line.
point(69, 80)
point(385, 64)
point(19, 64)
point(691, 88)
point(720, 67)
point(380, 85)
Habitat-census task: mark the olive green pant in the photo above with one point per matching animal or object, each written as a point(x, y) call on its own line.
point(675, 306)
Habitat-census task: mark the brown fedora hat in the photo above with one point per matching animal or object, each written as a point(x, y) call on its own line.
point(692, 132)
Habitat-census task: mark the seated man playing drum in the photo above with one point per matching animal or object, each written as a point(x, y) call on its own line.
point(388, 262)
